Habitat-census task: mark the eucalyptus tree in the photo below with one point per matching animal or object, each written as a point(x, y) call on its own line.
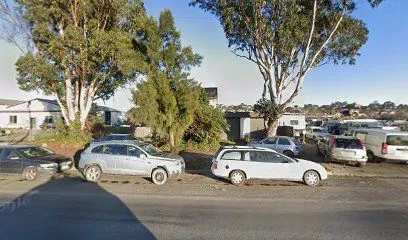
point(286, 39)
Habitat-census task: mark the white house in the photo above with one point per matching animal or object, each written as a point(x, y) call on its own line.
point(38, 112)
point(249, 123)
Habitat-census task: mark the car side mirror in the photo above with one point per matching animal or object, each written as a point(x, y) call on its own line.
point(143, 156)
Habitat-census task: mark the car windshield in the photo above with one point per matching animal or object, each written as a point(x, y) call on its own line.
point(397, 140)
point(32, 152)
point(348, 143)
point(150, 149)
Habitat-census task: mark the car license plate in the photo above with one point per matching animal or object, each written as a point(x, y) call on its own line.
point(349, 153)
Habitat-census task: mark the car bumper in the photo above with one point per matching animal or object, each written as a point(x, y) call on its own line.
point(47, 170)
point(64, 166)
point(177, 171)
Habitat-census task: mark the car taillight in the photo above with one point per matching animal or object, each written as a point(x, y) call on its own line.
point(384, 149)
point(362, 144)
point(334, 143)
point(215, 165)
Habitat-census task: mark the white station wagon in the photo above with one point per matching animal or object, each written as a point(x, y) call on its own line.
point(239, 163)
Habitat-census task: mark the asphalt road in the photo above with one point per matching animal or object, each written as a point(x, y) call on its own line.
point(69, 208)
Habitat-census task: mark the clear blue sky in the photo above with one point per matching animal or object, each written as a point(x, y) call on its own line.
point(380, 73)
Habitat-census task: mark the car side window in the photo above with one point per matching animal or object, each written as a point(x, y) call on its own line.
point(133, 151)
point(1, 153)
point(270, 141)
point(97, 149)
point(232, 155)
point(257, 156)
point(10, 154)
point(283, 141)
point(275, 158)
point(115, 149)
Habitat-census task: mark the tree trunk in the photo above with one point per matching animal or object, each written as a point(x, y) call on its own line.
point(171, 139)
point(272, 127)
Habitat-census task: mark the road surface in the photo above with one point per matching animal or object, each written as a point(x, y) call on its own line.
point(69, 208)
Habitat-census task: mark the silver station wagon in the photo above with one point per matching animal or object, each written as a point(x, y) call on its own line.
point(129, 158)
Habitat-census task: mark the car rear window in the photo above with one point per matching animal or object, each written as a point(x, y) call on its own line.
point(348, 143)
point(397, 140)
point(232, 155)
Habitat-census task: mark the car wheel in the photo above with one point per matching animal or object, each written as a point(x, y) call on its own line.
point(159, 176)
point(311, 178)
point(288, 153)
point(93, 173)
point(237, 177)
point(31, 173)
point(370, 156)
point(315, 138)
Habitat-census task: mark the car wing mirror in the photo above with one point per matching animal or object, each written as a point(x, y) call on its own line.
point(143, 156)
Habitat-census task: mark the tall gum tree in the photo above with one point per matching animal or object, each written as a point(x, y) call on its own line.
point(286, 39)
point(76, 50)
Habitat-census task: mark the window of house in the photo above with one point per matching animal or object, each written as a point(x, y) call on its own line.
point(13, 119)
point(49, 119)
point(294, 122)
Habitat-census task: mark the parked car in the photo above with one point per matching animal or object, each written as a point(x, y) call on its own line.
point(114, 137)
point(31, 161)
point(342, 149)
point(315, 133)
point(289, 146)
point(240, 163)
point(383, 144)
point(129, 158)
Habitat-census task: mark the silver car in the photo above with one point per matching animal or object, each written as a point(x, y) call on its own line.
point(129, 158)
point(343, 149)
point(287, 145)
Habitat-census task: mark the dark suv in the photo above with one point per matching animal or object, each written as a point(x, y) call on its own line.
point(31, 161)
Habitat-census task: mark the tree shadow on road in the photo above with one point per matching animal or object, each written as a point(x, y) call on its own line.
point(69, 208)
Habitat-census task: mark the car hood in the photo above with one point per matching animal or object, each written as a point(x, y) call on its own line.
point(169, 157)
point(310, 164)
point(53, 158)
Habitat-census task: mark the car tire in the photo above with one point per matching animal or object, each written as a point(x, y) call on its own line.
point(311, 178)
point(159, 176)
point(31, 173)
point(93, 173)
point(314, 138)
point(237, 177)
point(370, 157)
point(288, 153)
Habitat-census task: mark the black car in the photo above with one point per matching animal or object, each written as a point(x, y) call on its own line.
point(31, 161)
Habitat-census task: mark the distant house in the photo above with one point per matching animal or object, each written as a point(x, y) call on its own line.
point(249, 123)
point(39, 112)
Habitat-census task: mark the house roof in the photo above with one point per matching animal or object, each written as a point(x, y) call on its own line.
point(106, 109)
point(10, 102)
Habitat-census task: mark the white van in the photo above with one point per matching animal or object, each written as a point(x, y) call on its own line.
point(383, 144)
